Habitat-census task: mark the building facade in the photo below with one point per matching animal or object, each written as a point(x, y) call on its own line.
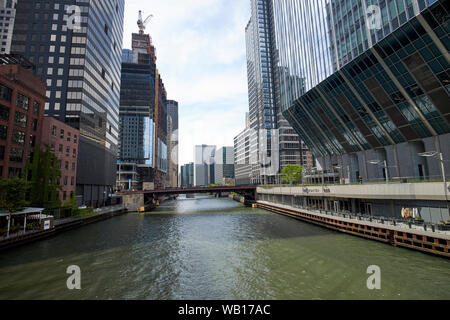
point(187, 175)
point(367, 88)
point(63, 141)
point(204, 165)
point(223, 165)
point(77, 48)
point(144, 122)
point(242, 164)
point(7, 18)
point(172, 111)
point(273, 142)
point(22, 100)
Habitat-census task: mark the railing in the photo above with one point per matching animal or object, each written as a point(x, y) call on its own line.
point(389, 221)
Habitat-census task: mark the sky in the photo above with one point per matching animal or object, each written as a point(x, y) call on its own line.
point(200, 46)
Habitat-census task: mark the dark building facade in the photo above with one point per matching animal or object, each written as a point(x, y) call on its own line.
point(187, 175)
point(22, 99)
point(77, 48)
point(143, 136)
point(373, 98)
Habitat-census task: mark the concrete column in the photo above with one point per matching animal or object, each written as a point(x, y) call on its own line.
point(353, 206)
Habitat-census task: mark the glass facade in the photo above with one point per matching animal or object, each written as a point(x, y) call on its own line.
point(76, 46)
point(356, 88)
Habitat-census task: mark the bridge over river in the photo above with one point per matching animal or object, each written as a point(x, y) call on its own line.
point(148, 198)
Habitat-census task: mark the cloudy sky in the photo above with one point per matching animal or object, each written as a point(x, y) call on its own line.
point(200, 46)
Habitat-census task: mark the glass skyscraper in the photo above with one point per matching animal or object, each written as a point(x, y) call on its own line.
point(273, 142)
point(367, 80)
point(77, 48)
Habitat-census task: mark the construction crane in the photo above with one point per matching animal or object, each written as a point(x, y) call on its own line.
point(143, 23)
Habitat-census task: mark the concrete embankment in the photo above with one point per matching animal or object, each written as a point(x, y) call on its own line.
point(60, 226)
point(425, 241)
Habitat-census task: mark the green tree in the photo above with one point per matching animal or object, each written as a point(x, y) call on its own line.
point(43, 173)
point(13, 194)
point(292, 173)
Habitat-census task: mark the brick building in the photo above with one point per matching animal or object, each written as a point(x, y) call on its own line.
point(22, 100)
point(63, 141)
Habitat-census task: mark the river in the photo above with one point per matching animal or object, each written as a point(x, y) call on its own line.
point(208, 248)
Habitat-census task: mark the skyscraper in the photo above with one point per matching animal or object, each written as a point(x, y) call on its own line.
point(367, 85)
point(7, 18)
point(77, 48)
point(144, 122)
point(223, 164)
point(204, 165)
point(172, 111)
point(273, 142)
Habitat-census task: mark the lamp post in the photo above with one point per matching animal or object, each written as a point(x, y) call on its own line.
point(440, 157)
point(378, 162)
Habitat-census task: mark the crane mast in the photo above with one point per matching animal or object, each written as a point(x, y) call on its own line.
point(143, 23)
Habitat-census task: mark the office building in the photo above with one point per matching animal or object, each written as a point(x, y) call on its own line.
point(77, 49)
point(204, 165)
point(223, 165)
point(144, 122)
point(22, 99)
point(187, 175)
point(7, 18)
point(172, 111)
point(273, 142)
point(372, 94)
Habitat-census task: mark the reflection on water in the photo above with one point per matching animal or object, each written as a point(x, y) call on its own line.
point(208, 248)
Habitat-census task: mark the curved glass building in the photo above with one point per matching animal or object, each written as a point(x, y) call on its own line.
point(367, 81)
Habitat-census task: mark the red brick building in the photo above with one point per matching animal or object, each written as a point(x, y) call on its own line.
point(22, 100)
point(63, 141)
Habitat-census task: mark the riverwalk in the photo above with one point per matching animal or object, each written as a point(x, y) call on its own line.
point(60, 225)
point(435, 242)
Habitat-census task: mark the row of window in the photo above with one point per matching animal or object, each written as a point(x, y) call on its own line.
point(62, 135)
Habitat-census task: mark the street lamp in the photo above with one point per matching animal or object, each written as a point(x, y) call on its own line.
point(378, 162)
point(431, 154)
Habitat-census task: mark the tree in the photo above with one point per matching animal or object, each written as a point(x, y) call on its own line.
point(292, 173)
point(13, 194)
point(43, 173)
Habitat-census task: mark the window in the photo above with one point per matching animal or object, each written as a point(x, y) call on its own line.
point(14, 172)
point(3, 132)
point(74, 153)
point(22, 101)
point(15, 155)
point(36, 106)
point(61, 149)
point(54, 131)
point(73, 166)
point(68, 136)
point(4, 113)
point(20, 119)
point(72, 181)
point(18, 137)
point(67, 152)
point(5, 93)
point(66, 165)
point(2, 153)
point(35, 124)
point(61, 134)
point(65, 180)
